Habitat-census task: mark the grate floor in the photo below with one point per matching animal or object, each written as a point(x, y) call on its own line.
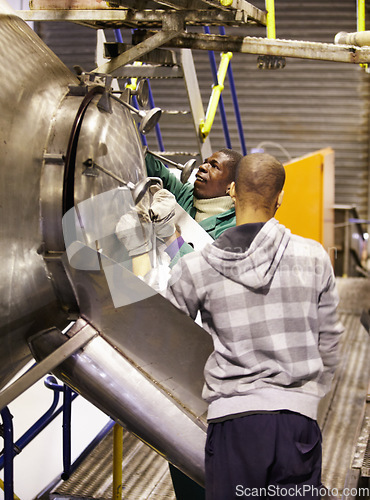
point(145, 474)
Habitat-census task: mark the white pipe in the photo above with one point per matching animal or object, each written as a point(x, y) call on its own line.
point(360, 38)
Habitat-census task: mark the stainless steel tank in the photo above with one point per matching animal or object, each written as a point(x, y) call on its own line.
point(34, 83)
point(144, 365)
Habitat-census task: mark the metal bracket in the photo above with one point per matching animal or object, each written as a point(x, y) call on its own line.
point(173, 25)
point(81, 338)
point(54, 158)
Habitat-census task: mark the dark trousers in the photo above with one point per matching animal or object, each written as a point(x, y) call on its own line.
point(267, 455)
point(184, 487)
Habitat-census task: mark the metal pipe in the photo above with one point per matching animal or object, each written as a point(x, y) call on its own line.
point(90, 164)
point(166, 160)
point(67, 412)
point(186, 169)
point(157, 127)
point(8, 454)
point(117, 461)
point(360, 38)
point(37, 427)
point(136, 104)
point(2, 486)
point(221, 106)
point(43, 421)
point(132, 84)
point(118, 35)
point(109, 381)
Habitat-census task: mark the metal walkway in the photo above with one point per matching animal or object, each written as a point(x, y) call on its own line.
point(146, 474)
point(343, 413)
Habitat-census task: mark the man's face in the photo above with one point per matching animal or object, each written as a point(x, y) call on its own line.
point(213, 177)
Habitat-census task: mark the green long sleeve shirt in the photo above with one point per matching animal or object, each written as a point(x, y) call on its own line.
point(214, 225)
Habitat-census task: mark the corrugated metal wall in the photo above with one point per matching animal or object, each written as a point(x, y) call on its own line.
point(306, 106)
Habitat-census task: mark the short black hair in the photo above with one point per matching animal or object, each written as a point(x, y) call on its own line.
point(233, 160)
point(259, 179)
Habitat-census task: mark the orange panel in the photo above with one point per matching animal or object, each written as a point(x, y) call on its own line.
point(302, 207)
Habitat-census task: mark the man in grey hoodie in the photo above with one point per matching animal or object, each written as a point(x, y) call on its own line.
point(268, 298)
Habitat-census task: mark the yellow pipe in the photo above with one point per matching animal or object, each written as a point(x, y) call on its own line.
point(360, 15)
point(117, 461)
point(205, 126)
point(2, 487)
point(132, 85)
point(133, 82)
point(361, 20)
point(270, 19)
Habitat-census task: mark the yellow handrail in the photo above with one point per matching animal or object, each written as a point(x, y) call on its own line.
point(270, 19)
point(117, 461)
point(206, 125)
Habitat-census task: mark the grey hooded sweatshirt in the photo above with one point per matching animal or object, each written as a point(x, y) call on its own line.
point(268, 299)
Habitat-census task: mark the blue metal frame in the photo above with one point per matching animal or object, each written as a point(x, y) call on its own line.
point(157, 127)
point(11, 449)
point(8, 454)
point(118, 37)
point(67, 414)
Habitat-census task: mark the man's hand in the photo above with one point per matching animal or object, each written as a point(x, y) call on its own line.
point(162, 213)
point(133, 229)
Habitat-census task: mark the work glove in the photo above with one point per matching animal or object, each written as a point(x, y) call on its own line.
point(134, 229)
point(162, 213)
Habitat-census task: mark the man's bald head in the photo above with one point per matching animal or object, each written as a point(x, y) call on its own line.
point(260, 178)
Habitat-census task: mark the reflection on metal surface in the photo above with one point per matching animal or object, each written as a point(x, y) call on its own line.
point(135, 400)
point(145, 365)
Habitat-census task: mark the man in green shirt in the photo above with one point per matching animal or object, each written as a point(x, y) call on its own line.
point(207, 201)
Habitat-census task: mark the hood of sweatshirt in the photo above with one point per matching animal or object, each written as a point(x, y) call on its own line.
point(256, 266)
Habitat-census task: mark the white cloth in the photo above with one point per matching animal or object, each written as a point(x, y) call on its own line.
point(212, 206)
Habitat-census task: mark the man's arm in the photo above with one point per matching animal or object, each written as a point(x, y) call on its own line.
point(330, 328)
point(181, 289)
point(182, 192)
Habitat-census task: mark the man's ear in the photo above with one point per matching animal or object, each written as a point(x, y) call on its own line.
point(280, 199)
point(231, 190)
